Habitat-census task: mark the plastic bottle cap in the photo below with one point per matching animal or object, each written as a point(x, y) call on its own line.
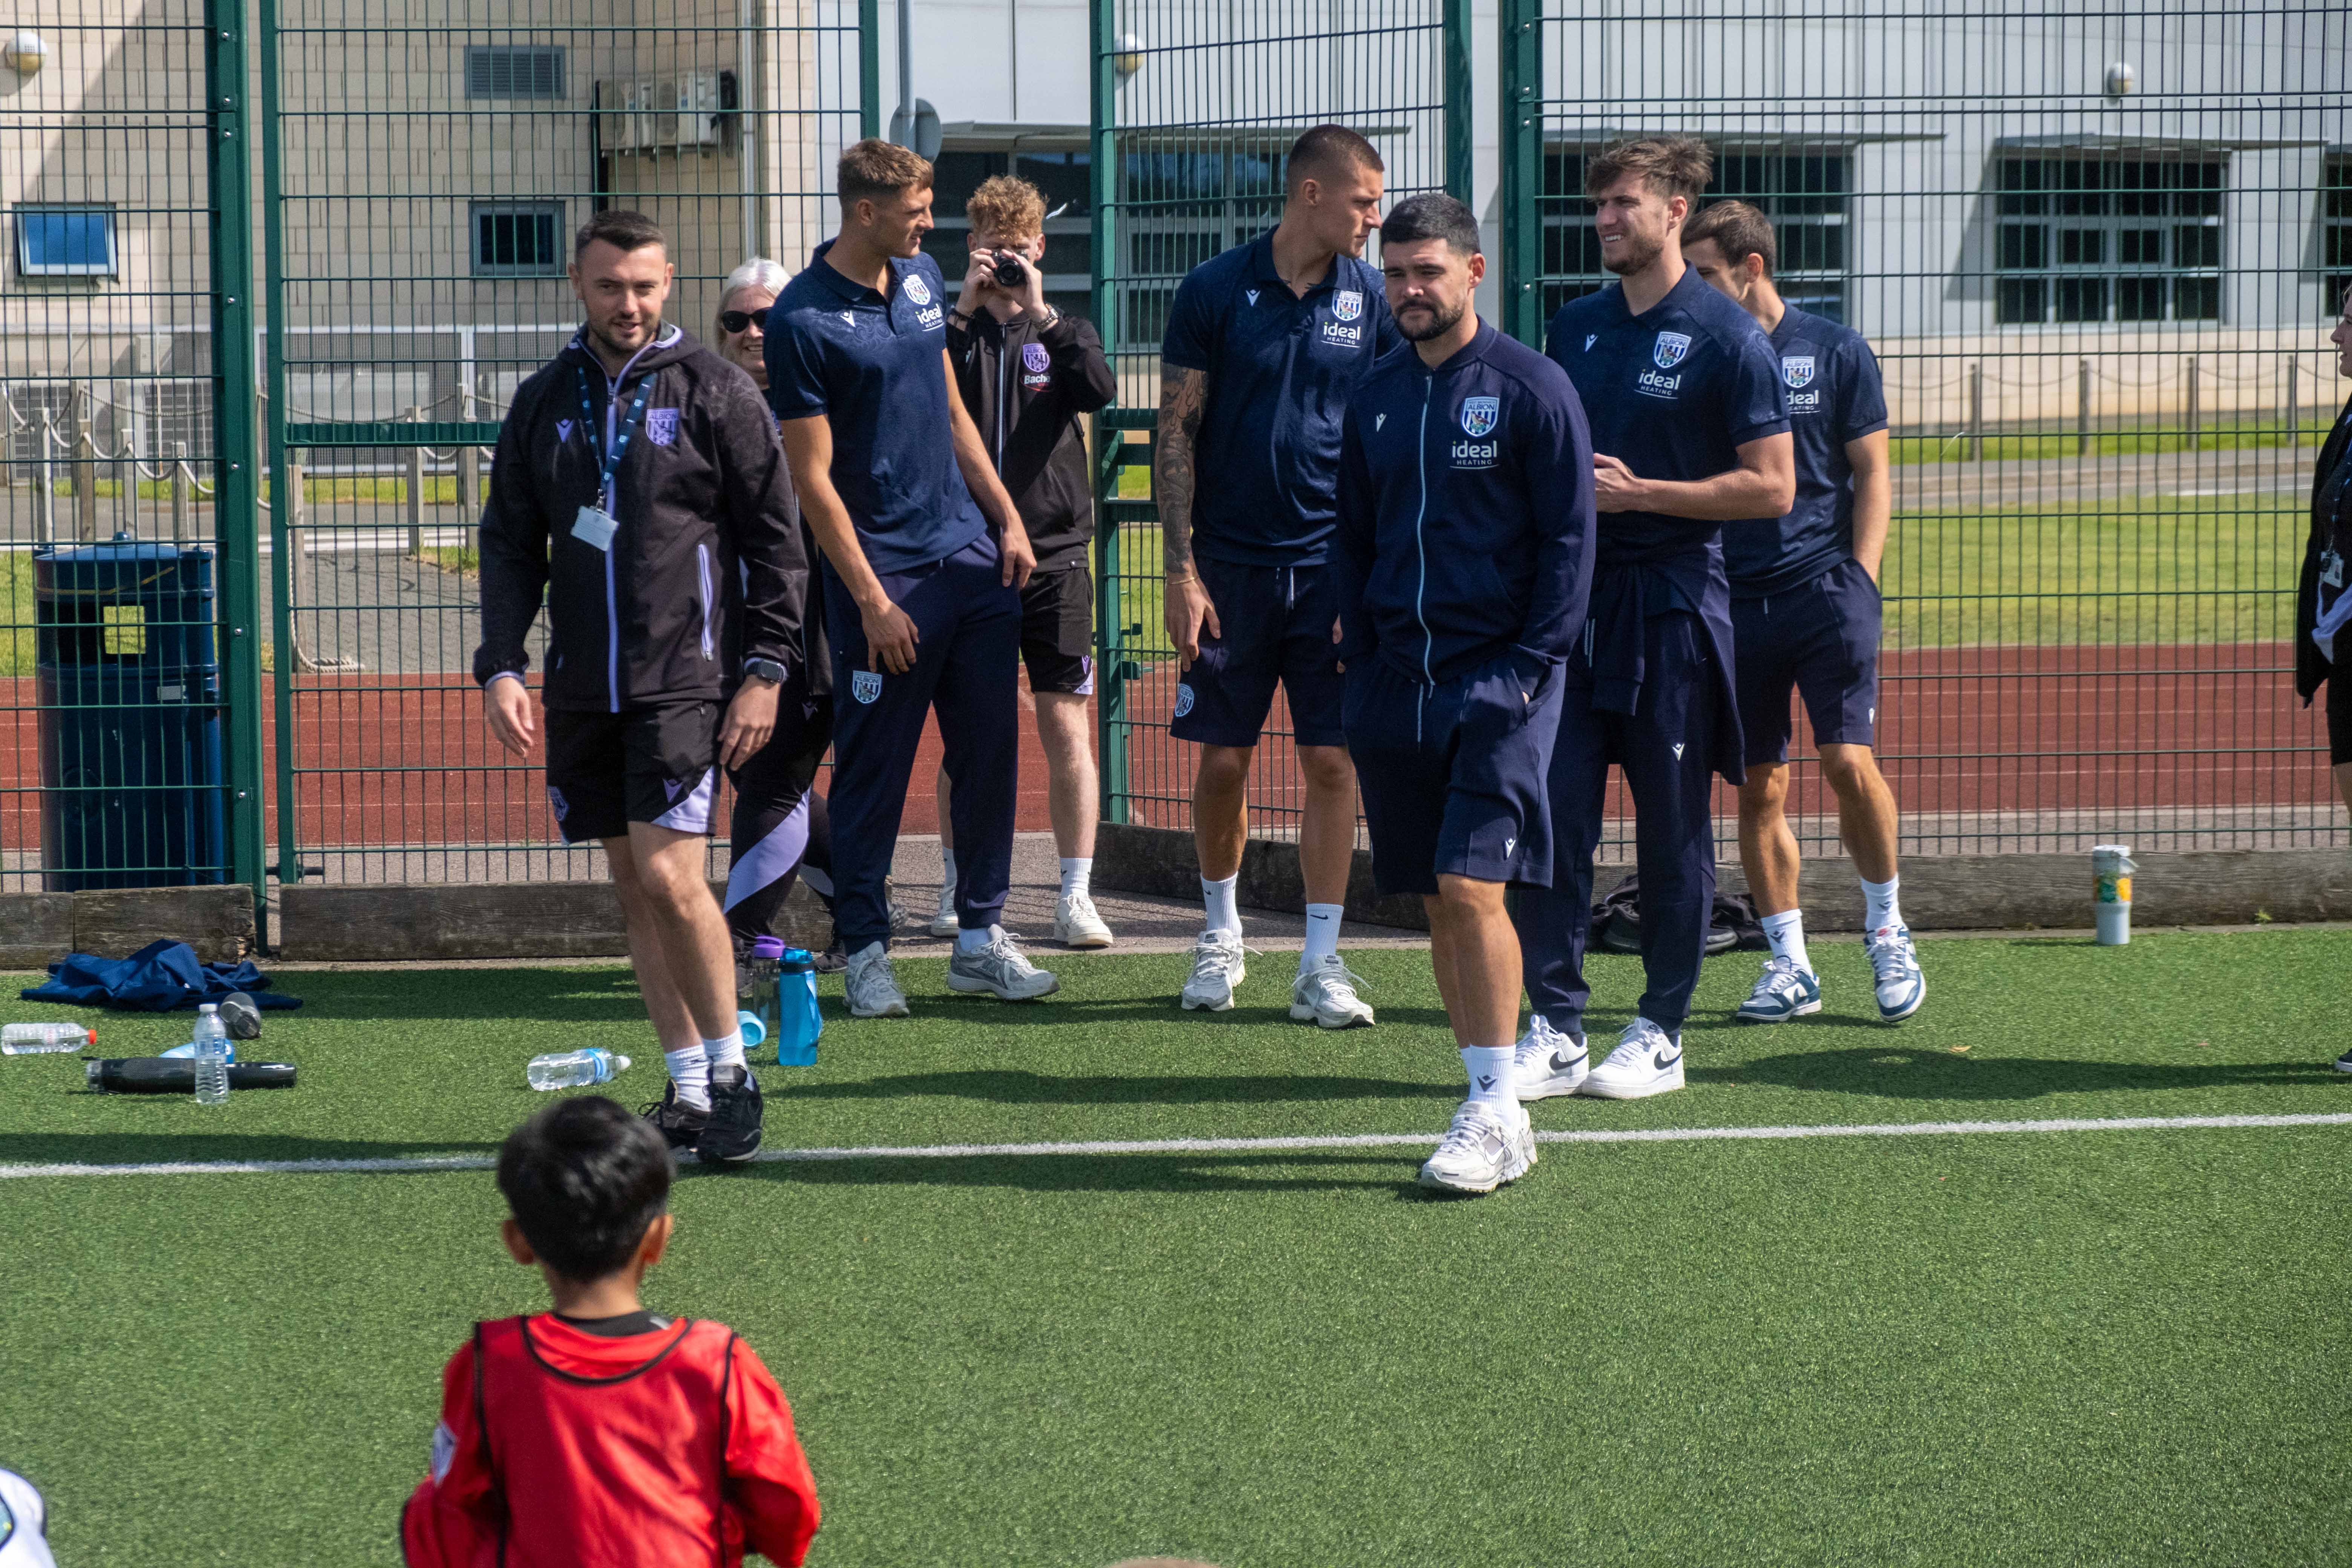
point(620, 1064)
point(767, 947)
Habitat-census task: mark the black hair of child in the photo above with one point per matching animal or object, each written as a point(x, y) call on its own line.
point(584, 1179)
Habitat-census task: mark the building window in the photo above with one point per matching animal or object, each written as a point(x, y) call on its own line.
point(518, 239)
point(514, 70)
point(1069, 223)
point(2335, 232)
point(2108, 239)
point(1803, 192)
point(65, 242)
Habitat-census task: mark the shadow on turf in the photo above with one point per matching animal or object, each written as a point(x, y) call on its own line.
point(1207, 1172)
point(144, 1148)
point(538, 996)
point(1909, 1073)
point(1009, 1087)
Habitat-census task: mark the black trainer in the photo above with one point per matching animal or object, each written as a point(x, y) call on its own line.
point(834, 959)
point(2344, 1062)
point(679, 1124)
point(732, 1131)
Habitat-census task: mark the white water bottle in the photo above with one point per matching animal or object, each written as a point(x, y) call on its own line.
point(211, 1057)
point(569, 1070)
point(35, 1040)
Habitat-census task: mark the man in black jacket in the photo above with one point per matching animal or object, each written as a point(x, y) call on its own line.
point(640, 487)
point(1026, 373)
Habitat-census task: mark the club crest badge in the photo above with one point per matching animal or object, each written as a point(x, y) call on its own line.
point(1184, 701)
point(916, 289)
point(866, 685)
point(1481, 415)
point(1797, 370)
point(1670, 349)
point(1035, 360)
point(563, 432)
point(661, 426)
point(1348, 304)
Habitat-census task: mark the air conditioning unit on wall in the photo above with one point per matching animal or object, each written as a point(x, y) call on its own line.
point(669, 114)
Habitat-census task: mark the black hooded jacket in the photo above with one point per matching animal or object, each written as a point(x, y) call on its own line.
point(705, 567)
point(2311, 666)
point(1026, 387)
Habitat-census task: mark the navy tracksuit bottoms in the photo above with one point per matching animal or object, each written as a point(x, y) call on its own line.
point(967, 666)
point(1664, 747)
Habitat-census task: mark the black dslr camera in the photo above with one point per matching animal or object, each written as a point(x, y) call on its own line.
point(1012, 272)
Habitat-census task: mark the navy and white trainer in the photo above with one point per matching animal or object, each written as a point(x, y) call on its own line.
point(2344, 1062)
point(1782, 991)
point(1896, 962)
point(1546, 1062)
point(1647, 1061)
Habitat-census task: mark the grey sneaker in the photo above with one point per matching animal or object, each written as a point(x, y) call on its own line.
point(1325, 993)
point(1486, 1145)
point(1000, 969)
point(1217, 967)
point(873, 991)
point(1075, 923)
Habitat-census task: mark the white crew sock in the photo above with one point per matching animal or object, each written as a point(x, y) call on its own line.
point(690, 1071)
point(726, 1053)
point(1490, 1074)
point(1077, 874)
point(1785, 933)
point(970, 941)
point(1879, 907)
point(1219, 898)
point(947, 877)
point(1322, 934)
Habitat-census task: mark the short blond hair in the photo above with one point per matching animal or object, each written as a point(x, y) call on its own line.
point(1007, 206)
point(874, 168)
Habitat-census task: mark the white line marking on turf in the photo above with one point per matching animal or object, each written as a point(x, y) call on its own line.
point(1232, 1145)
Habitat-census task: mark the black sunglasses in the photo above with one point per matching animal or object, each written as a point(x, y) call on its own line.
point(740, 320)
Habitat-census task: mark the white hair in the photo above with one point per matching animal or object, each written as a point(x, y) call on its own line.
point(757, 273)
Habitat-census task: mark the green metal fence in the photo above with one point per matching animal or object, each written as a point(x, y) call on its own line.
point(2097, 254)
point(1195, 108)
point(127, 383)
point(426, 167)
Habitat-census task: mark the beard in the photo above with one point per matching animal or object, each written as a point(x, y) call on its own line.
point(1440, 322)
point(1635, 253)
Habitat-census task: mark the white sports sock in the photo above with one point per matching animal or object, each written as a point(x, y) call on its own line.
point(1785, 933)
point(1879, 907)
point(970, 941)
point(690, 1071)
point(1219, 898)
point(1322, 934)
point(1077, 874)
point(1490, 1074)
point(726, 1053)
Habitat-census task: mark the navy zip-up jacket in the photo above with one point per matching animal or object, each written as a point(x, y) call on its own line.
point(1465, 526)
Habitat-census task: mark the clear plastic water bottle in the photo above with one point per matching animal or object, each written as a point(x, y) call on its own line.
point(767, 956)
point(211, 1057)
point(798, 1021)
point(571, 1069)
point(37, 1039)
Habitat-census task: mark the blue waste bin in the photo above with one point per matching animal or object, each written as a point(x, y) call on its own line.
point(128, 671)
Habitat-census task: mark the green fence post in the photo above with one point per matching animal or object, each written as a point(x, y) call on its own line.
point(1521, 104)
point(281, 521)
point(235, 464)
point(1110, 638)
point(869, 68)
point(1459, 96)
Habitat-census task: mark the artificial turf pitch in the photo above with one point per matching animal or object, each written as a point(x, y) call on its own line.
point(2083, 1347)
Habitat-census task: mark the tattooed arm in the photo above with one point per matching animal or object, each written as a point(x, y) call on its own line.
point(1183, 395)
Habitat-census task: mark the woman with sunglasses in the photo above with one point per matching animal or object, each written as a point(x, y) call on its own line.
point(2323, 609)
point(780, 827)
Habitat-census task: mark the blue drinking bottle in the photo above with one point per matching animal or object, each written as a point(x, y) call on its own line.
point(798, 1022)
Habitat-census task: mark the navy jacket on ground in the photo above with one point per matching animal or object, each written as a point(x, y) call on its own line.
point(1465, 526)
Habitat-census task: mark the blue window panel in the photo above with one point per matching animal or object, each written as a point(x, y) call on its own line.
point(65, 242)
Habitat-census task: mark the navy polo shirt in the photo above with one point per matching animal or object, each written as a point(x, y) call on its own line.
point(1281, 369)
point(1834, 396)
point(873, 366)
point(1672, 393)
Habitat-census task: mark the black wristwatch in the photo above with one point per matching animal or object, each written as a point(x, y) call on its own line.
point(764, 669)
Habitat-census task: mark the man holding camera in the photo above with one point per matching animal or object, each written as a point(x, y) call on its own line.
point(1026, 373)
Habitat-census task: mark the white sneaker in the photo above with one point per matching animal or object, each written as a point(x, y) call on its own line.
point(1217, 968)
point(1075, 923)
point(1901, 987)
point(1646, 1061)
point(873, 991)
point(1782, 991)
point(1001, 970)
point(1486, 1145)
point(943, 921)
point(1326, 992)
point(1546, 1062)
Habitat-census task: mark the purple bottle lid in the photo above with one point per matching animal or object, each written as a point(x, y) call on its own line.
point(767, 947)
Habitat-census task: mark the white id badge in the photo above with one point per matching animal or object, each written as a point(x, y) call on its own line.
point(595, 527)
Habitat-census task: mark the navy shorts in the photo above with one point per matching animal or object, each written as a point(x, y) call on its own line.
point(1453, 775)
point(1819, 638)
point(653, 764)
point(1275, 623)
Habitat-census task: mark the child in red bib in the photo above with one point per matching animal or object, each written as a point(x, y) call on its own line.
point(600, 1435)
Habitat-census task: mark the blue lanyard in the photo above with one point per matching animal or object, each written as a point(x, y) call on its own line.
point(620, 436)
